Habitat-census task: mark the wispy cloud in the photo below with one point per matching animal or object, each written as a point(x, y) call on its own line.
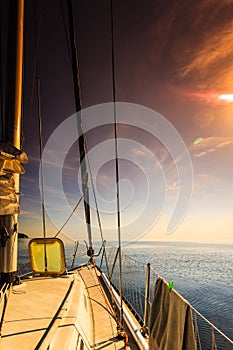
point(209, 145)
point(204, 181)
point(32, 200)
point(225, 143)
point(193, 42)
point(172, 187)
point(24, 214)
point(215, 48)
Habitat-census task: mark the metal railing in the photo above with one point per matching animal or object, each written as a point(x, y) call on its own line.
point(138, 283)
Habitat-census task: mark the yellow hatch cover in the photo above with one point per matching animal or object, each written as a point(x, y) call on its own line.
point(50, 250)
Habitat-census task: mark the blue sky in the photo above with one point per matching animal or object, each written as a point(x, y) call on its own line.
point(175, 59)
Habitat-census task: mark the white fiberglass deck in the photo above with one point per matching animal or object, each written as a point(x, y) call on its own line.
point(52, 313)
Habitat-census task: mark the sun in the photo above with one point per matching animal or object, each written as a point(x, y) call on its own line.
point(226, 97)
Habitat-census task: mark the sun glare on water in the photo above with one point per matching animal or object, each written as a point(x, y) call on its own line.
point(226, 97)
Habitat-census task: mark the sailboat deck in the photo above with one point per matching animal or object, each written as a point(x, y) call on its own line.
point(103, 325)
point(53, 313)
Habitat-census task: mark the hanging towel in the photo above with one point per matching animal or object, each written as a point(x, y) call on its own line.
point(170, 325)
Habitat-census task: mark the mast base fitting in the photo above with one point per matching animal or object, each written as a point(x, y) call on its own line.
point(90, 252)
point(16, 281)
point(144, 332)
point(121, 333)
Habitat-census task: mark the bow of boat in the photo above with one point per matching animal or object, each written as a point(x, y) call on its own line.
point(66, 312)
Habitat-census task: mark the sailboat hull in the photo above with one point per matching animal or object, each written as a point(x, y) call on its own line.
point(67, 312)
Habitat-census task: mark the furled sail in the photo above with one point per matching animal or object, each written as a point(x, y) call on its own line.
point(10, 164)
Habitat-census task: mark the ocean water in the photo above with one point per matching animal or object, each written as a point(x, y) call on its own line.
point(202, 274)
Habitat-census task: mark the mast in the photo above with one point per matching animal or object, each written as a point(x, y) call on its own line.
point(11, 134)
point(81, 140)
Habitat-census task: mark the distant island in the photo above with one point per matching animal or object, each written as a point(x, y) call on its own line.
point(22, 235)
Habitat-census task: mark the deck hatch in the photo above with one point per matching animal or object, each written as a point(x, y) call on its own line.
point(55, 255)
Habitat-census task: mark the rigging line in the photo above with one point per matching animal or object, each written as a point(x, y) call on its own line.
point(41, 172)
point(54, 318)
point(84, 137)
point(96, 204)
point(109, 306)
point(117, 165)
point(86, 148)
point(81, 139)
point(111, 310)
point(94, 194)
point(66, 32)
point(76, 206)
point(85, 282)
point(82, 131)
point(35, 65)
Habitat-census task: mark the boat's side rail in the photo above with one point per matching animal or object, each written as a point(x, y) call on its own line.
point(4, 294)
point(128, 317)
point(207, 335)
point(138, 292)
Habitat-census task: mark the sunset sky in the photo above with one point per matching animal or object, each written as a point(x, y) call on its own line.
point(173, 57)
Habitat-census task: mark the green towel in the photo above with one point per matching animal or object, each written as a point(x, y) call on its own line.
point(170, 326)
